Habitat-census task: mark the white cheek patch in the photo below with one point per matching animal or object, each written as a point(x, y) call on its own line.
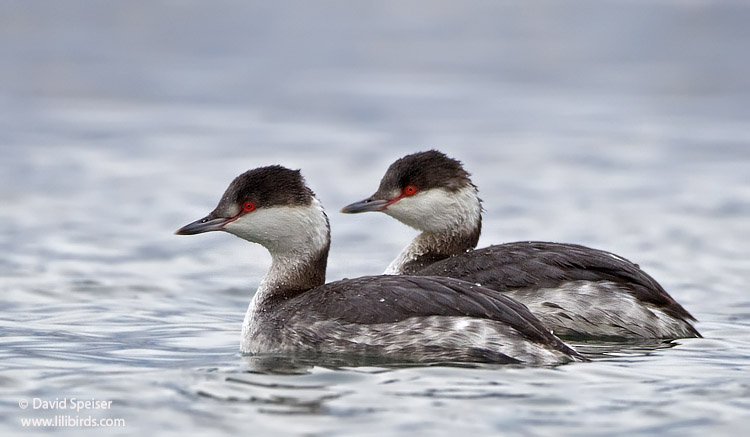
point(285, 228)
point(251, 226)
point(438, 210)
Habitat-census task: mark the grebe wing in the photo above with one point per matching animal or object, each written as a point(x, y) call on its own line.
point(390, 299)
point(537, 265)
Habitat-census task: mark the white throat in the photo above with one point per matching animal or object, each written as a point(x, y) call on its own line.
point(447, 220)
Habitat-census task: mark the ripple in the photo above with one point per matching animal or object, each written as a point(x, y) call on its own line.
point(113, 137)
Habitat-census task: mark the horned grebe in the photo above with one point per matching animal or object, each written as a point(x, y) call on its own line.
point(395, 317)
point(574, 290)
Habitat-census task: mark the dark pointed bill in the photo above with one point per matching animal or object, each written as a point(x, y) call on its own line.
point(205, 224)
point(366, 205)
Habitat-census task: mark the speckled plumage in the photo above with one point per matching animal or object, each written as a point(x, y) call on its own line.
point(411, 318)
point(574, 290)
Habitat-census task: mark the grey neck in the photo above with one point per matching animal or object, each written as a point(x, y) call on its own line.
point(292, 274)
point(430, 247)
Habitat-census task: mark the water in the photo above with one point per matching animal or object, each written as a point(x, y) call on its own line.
point(620, 125)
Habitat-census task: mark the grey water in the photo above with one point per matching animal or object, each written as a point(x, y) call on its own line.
point(622, 125)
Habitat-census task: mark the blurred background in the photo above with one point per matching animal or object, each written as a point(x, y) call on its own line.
point(623, 125)
point(616, 123)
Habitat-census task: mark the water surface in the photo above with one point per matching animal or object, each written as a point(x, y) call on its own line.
point(618, 125)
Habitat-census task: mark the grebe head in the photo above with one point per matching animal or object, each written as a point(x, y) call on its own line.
point(271, 206)
point(428, 191)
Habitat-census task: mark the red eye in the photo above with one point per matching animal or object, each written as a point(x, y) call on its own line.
point(410, 190)
point(248, 206)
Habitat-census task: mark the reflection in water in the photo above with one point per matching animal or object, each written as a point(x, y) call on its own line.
point(596, 350)
point(299, 363)
point(266, 381)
